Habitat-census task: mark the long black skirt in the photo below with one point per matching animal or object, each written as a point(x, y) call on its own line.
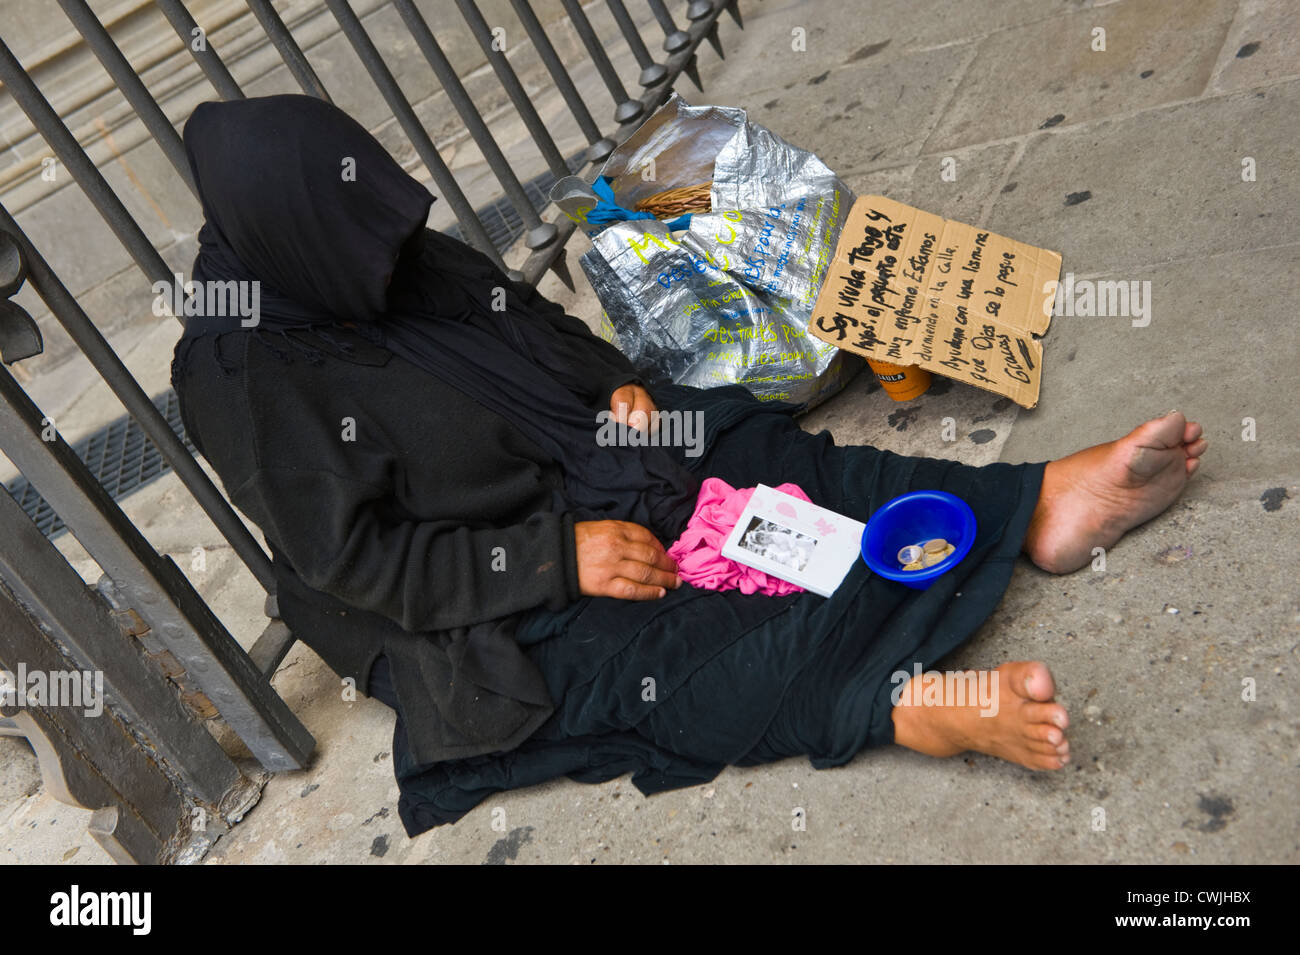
point(675, 689)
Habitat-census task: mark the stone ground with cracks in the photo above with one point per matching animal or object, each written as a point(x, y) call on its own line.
point(1128, 162)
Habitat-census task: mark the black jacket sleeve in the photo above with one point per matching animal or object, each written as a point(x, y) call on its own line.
point(339, 538)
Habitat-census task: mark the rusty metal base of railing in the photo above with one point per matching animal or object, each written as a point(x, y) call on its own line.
point(111, 732)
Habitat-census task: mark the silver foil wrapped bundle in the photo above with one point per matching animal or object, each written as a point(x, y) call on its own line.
point(727, 299)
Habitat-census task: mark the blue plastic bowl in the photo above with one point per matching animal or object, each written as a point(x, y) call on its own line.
point(911, 519)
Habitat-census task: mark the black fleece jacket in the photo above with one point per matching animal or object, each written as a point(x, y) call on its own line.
point(403, 517)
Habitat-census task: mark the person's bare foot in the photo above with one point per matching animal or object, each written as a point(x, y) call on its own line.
point(1093, 497)
point(1025, 727)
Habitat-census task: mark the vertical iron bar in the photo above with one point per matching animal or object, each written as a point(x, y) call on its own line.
point(600, 147)
point(700, 10)
point(415, 131)
point(539, 233)
point(132, 87)
point(626, 109)
point(288, 48)
point(207, 58)
point(66, 147)
point(514, 89)
point(675, 40)
point(652, 73)
point(63, 305)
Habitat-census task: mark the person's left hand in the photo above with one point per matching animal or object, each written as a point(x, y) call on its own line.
point(632, 405)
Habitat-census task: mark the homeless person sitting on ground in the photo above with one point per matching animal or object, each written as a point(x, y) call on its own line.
point(447, 530)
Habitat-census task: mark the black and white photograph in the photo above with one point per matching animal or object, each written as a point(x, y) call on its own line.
point(778, 543)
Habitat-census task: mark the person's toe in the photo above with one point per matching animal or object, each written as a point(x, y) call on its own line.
point(1045, 733)
point(1048, 751)
point(1192, 465)
point(1033, 680)
point(1165, 432)
point(1196, 448)
point(1192, 432)
point(1047, 762)
point(1046, 713)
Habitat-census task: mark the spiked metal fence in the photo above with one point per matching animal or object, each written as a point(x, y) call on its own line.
point(161, 785)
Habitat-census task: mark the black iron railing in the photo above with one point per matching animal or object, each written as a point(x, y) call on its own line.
point(156, 614)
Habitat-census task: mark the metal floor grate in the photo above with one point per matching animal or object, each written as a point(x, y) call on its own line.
point(123, 459)
point(120, 457)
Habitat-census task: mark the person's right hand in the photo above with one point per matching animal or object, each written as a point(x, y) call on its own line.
point(622, 560)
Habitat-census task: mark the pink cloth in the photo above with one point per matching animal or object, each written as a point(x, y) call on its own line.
point(698, 552)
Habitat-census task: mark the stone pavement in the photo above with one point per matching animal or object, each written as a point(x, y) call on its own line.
point(1129, 161)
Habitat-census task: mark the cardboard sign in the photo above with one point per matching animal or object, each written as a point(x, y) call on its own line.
point(911, 288)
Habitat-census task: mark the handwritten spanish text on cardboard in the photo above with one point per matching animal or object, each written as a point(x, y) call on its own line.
point(911, 288)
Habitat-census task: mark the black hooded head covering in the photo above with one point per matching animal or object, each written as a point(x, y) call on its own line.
point(303, 198)
point(298, 196)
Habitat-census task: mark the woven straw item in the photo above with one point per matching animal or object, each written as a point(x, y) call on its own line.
point(672, 203)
